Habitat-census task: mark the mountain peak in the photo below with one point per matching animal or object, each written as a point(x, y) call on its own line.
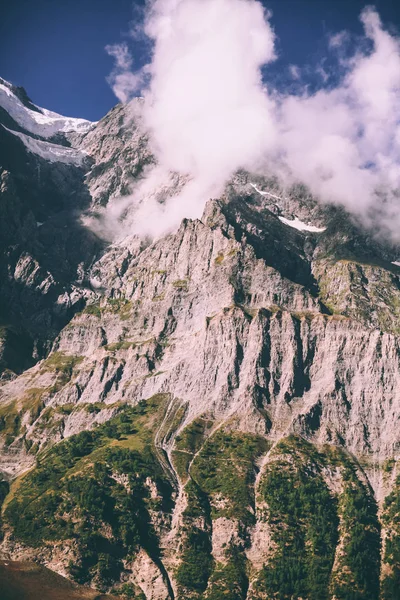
point(204, 415)
point(21, 94)
point(34, 119)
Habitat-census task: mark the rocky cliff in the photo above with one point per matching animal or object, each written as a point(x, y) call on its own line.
point(214, 414)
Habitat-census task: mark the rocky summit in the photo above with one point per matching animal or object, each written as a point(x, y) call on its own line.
point(214, 414)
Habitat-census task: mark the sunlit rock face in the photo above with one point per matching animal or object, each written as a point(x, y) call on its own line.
point(213, 413)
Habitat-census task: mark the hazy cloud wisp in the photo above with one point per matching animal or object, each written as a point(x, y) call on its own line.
point(209, 113)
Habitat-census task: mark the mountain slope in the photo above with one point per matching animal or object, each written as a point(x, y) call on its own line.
point(214, 414)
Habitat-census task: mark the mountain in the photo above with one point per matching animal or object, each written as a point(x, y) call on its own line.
point(213, 414)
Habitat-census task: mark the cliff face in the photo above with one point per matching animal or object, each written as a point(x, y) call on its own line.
point(214, 414)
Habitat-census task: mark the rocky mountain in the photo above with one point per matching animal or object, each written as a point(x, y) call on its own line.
point(214, 414)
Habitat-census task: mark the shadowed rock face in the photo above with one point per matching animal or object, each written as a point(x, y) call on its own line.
point(211, 415)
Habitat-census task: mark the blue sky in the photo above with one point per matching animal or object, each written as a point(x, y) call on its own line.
point(55, 49)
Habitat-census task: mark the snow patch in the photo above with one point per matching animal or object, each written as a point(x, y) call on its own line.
point(253, 185)
point(45, 123)
point(301, 226)
point(396, 262)
point(51, 152)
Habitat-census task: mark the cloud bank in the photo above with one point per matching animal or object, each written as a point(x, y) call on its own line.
point(344, 143)
point(210, 113)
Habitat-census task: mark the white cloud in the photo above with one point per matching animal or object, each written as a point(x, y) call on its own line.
point(205, 107)
point(124, 83)
point(209, 114)
point(344, 143)
point(123, 58)
point(295, 71)
point(337, 40)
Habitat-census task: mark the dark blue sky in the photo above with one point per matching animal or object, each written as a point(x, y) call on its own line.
point(55, 48)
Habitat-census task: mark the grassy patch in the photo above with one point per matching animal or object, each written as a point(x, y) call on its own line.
point(93, 310)
point(123, 345)
point(60, 363)
point(10, 421)
point(128, 591)
point(181, 284)
point(11, 414)
point(92, 488)
point(225, 469)
point(388, 465)
point(187, 443)
point(229, 580)
point(120, 306)
point(33, 399)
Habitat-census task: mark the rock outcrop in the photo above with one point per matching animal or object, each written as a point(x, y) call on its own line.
point(212, 414)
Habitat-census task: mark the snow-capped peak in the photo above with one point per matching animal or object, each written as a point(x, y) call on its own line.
point(41, 121)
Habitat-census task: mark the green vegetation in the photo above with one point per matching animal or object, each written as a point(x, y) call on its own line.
point(63, 365)
point(357, 572)
point(10, 422)
point(181, 284)
point(198, 504)
point(159, 272)
point(123, 345)
point(364, 291)
point(11, 414)
point(391, 556)
point(220, 258)
point(304, 525)
point(187, 443)
point(33, 399)
point(66, 409)
point(308, 524)
point(120, 306)
point(92, 488)
point(388, 465)
point(192, 437)
point(93, 310)
point(4, 490)
point(225, 469)
point(94, 407)
point(195, 568)
point(98, 492)
point(129, 591)
point(158, 298)
point(196, 563)
point(229, 581)
point(222, 470)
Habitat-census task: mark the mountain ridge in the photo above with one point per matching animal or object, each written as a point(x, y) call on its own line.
point(176, 414)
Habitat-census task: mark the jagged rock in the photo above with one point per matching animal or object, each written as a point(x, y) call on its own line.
point(271, 320)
